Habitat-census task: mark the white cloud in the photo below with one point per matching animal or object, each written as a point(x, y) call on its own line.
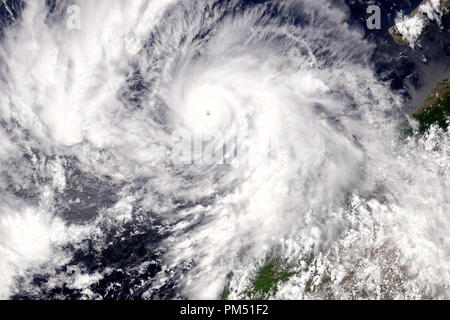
point(311, 88)
point(411, 27)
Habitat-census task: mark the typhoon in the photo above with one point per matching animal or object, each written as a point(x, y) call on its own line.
point(212, 149)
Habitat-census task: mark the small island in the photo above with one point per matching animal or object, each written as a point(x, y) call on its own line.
point(409, 29)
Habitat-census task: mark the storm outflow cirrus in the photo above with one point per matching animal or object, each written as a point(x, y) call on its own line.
point(96, 200)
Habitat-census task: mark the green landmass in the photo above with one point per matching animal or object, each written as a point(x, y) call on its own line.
point(267, 279)
point(434, 111)
point(436, 108)
point(227, 290)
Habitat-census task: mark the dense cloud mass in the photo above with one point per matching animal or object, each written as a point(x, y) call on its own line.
point(152, 148)
point(411, 27)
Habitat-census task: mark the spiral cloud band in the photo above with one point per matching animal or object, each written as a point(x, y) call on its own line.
point(178, 146)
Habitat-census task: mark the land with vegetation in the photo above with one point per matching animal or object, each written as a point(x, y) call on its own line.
point(397, 36)
point(436, 108)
